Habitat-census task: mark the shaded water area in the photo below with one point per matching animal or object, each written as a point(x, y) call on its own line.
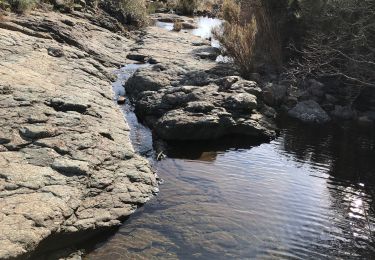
point(309, 193)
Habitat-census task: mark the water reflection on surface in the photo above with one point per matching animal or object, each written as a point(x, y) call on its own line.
point(307, 194)
point(167, 26)
point(139, 134)
point(205, 26)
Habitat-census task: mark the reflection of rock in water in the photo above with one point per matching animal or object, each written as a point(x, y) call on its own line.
point(348, 150)
point(297, 197)
point(262, 202)
point(207, 150)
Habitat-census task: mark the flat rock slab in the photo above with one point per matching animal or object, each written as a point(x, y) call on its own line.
point(66, 160)
point(186, 95)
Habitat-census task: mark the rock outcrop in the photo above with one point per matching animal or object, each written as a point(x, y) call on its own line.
point(183, 96)
point(66, 161)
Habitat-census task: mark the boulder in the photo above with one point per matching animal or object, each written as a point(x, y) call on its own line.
point(309, 112)
point(274, 94)
point(214, 108)
point(189, 26)
point(316, 88)
point(67, 164)
point(242, 101)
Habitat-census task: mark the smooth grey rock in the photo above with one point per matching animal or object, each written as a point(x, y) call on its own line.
point(209, 53)
point(189, 26)
point(316, 88)
point(365, 121)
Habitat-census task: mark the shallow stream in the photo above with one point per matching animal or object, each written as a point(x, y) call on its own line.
point(309, 194)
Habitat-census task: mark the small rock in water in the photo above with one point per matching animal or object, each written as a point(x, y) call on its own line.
point(121, 100)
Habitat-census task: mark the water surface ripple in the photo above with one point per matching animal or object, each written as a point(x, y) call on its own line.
point(306, 195)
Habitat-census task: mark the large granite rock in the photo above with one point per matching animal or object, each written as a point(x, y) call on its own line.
point(309, 111)
point(185, 97)
point(200, 112)
point(66, 161)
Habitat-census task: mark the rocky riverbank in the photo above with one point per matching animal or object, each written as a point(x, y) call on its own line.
point(68, 166)
point(67, 163)
point(185, 95)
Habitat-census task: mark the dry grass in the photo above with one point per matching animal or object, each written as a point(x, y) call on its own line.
point(249, 36)
point(239, 42)
point(186, 7)
point(231, 11)
point(177, 26)
point(135, 11)
point(209, 5)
